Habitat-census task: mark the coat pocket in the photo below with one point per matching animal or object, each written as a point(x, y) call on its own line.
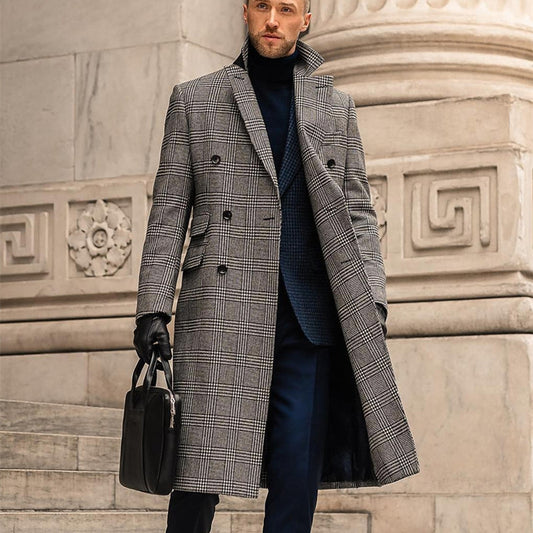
point(195, 252)
point(199, 224)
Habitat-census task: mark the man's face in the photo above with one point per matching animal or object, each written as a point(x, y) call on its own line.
point(275, 25)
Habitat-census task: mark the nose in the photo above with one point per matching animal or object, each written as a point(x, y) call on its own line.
point(272, 22)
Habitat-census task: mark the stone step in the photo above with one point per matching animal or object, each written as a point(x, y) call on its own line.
point(155, 522)
point(45, 451)
point(66, 489)
point(38, 417)
point(83, 522)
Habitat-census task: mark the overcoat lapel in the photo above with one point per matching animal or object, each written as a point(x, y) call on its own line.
point(312, 96)
point(314, 122)
point(327, 198)
point(312, 101)
point(244, 94)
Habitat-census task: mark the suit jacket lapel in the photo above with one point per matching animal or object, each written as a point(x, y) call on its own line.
point(292, 159)
point(251, 114)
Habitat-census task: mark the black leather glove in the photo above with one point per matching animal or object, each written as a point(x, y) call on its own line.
point(152, 329)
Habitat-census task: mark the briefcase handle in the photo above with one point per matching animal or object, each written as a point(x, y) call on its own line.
point(150, 378)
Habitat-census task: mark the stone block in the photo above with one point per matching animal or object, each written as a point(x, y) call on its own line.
point(76, 335)
point(460, 317)
point(247, 522)
point(131, 499)
point(197, 61)
point(60, 378)
point(235, 503)
point(37, 126)
point(57, 418)
point(110, 376)
point(38, 451)
point(48, 489)
point(341, 523)
point(83, 521)
point(502, 513)
point(121, 102)
point(222, 523)
point(468, 403)
point(322, 523)
point(449, 124)
point(389, 513)
point(31, 28)
point(98, 453)
point(217, 26)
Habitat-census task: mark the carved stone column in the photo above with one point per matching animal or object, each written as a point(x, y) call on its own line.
point(386, 51)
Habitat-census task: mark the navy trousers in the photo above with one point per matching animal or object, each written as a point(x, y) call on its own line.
point(295, 437)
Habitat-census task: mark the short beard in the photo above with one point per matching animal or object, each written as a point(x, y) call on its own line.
point(265, 51)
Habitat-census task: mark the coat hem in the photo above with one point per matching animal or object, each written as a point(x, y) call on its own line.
point(246, 491)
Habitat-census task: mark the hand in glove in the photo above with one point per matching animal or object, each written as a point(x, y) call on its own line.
point(152, 329)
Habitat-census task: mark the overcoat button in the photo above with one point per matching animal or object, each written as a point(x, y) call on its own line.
point(331, 163)
point(215, 159)
point(226, 215)
point(222, 269)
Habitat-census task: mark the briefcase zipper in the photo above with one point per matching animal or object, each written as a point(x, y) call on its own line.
point(172, 410)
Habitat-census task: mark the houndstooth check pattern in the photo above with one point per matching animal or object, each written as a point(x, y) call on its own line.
point(216, 158)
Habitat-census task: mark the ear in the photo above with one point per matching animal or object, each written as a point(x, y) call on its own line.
point(245, 13)
point(307, 20)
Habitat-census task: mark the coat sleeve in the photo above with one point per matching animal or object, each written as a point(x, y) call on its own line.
point(363, 215)
point(169, 216)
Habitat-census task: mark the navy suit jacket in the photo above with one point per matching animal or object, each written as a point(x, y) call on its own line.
point(302, 266)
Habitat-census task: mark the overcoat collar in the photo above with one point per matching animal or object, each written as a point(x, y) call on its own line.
point(309, 59)
point(312, 98)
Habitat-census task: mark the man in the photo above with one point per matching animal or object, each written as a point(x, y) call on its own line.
point(279, 349)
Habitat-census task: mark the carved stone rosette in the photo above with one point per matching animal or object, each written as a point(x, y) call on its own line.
point(389, 51)
point(101, 242)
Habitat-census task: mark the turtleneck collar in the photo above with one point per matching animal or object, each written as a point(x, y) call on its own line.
point(275, 70)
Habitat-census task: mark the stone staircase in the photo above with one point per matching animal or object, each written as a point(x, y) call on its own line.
point(59, 474)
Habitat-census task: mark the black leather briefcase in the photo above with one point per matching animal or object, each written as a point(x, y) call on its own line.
point(150, 431)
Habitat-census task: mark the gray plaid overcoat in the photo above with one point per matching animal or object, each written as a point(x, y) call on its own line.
point(216, 158)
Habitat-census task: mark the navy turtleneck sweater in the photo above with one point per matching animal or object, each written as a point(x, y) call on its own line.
point(272, 81)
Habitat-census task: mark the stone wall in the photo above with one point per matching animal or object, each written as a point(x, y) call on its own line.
point(85, 88)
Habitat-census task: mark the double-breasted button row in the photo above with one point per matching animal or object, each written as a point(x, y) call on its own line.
point(215, 159)
point(222, 269)
point(331, 163)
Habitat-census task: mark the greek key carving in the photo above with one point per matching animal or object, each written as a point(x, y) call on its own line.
point(101, 241)
point(24, 241)
point(444, 225)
